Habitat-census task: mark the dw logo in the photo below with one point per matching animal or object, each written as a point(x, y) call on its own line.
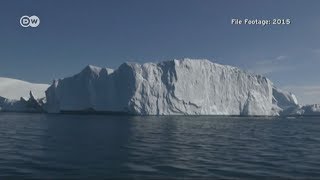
point(32, 21)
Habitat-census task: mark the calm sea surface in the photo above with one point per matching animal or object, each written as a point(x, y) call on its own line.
point(89, 146)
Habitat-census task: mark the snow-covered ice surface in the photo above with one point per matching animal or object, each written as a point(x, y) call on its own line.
point(190, 87)
point(15, 89)
point(21, 96)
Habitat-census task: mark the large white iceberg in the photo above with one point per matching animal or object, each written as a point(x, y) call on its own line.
point(177, 87)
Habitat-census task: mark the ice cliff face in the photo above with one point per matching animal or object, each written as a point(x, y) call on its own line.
point(283, 102)
point(172, 87)
point(284, 99)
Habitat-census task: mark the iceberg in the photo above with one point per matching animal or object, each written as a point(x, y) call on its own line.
point(15, 89)
point(313, 109)
point(21, 96)
point(306, 110)
point(283, 102)
point(22, 105)
point(177, 87)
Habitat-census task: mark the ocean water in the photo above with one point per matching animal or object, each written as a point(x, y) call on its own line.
point(182, 147)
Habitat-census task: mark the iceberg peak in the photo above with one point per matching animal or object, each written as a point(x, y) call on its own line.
point(90, 69)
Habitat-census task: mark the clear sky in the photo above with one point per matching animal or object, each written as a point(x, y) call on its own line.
point(73, 34)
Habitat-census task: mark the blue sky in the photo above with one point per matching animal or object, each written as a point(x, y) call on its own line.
point(73, 34)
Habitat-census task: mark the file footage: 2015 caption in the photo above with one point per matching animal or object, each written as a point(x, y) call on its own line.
point(262, 22)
